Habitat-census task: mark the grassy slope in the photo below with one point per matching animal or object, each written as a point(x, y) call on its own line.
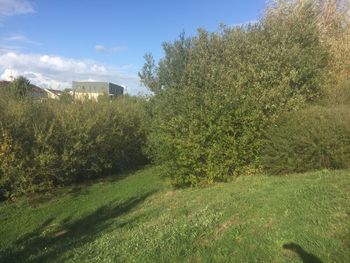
point(141, 219)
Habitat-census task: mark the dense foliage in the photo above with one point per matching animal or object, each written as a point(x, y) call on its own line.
point(51, 143)
point(314, 138)
point(216, 94)
point(274, 94)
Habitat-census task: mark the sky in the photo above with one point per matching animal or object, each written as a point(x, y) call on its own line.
point(53, 42)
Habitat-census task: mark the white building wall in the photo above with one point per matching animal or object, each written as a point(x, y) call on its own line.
point(86, 96)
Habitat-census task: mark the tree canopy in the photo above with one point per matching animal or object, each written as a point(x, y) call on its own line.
point(215, 94)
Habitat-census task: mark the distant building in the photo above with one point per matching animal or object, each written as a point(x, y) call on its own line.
point(92, 90)
point(4, 83)
point(36, 92)
point(53, 94)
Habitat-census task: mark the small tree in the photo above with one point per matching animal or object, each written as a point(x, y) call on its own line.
point(148, 74)
point(20, 87)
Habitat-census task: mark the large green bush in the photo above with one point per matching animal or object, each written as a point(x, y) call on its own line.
point(51, 143)
point(216, 93)
point(311, 139)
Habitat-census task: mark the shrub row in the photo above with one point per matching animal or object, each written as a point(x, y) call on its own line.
point(52, 143)
point(314, 138)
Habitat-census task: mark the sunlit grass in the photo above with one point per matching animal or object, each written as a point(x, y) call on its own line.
point(142, 219)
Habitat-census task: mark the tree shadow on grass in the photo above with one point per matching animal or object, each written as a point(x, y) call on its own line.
point(304, 256)
point(48, 242)
point(79, 188)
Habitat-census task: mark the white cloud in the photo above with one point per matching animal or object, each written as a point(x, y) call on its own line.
point(15, 7)
point(15, 37)
point(104, 49)
point(15, 43)
point(59, 72)
point(9, 48)
point(19, 38)
point(9, 74)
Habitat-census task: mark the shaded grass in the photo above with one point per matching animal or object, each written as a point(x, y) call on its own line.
point(297, 218)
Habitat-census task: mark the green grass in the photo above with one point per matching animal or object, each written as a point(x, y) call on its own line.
point(140, 218)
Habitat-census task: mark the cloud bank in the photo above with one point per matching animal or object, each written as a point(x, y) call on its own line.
point(58, 72)
point(17, 38)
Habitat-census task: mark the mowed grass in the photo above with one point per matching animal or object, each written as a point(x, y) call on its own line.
point(140, 218)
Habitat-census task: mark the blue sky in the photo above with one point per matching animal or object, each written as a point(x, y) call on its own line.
point(53, 42)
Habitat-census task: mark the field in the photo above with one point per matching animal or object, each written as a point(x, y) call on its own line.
point(141, 218)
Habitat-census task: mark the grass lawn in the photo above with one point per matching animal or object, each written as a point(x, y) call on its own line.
point(140, 218)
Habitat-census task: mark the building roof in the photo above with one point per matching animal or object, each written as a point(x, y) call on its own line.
point(4, 83)
point(34, 88)
point(55, 91)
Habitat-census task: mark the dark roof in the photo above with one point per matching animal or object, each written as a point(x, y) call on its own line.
point(4, 83)
point(34, 88)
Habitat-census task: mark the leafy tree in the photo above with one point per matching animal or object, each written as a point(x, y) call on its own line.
point(331, 20)
point(20, 87)
point(148, 75)
point(171, 68)
point(222, 90)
